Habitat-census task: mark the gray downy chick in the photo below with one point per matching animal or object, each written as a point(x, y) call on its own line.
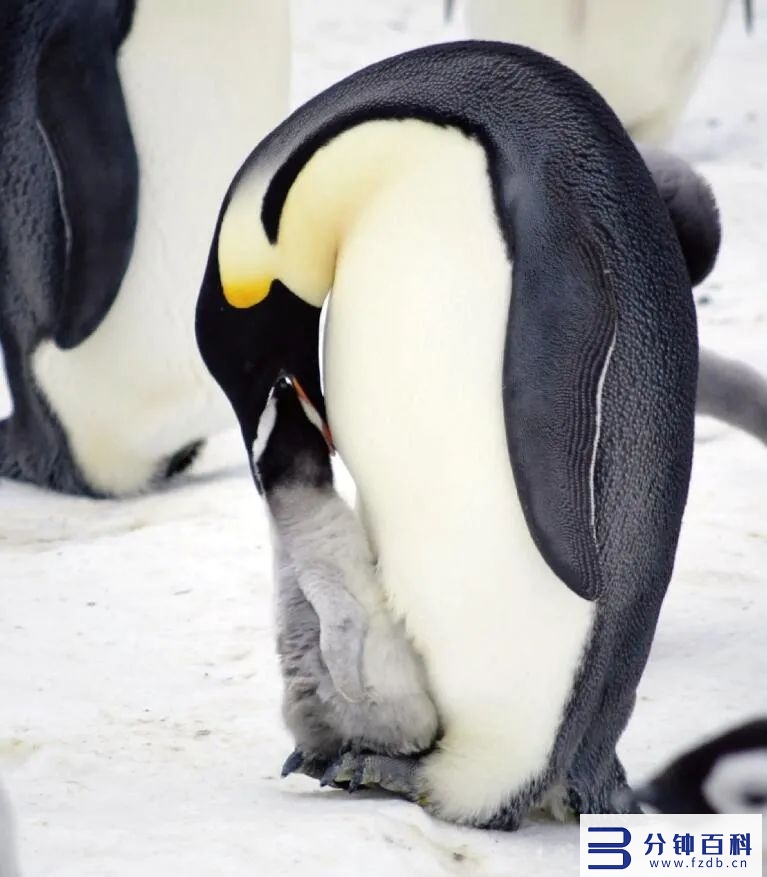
point(352, 679)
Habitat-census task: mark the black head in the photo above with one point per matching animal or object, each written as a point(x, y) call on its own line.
point(292, 444)
point(247, 348)
point(726, 775)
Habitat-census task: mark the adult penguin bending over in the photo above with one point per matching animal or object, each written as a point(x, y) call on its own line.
point(107, 189)
point(510, 371)
point(61, 104)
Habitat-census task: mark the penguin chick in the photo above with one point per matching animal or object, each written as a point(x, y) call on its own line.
point(725, 775)
point(352, 679)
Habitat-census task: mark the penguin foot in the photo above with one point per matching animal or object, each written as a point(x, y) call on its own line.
point(614, 797)
point(299, 762)
point(354, 770)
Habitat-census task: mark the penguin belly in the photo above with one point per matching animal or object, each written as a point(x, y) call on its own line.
point(643, 56)
point(413, 362)
point(201, 88)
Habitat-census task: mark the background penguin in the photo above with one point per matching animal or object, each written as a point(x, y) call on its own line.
point(643, 56)
point(351, 677)
point(119, 129)
point(727, 389)
point(725, 775)
point(522, 458)
point(692, 208)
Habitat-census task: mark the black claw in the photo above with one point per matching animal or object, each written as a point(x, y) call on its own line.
point(294, 762)
point(357, 778)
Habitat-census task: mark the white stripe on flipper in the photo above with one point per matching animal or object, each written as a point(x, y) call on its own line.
point(597, 431)
point(6, 400)
point(59, 187)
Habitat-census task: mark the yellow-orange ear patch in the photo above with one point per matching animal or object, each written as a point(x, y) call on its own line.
point(244, 292)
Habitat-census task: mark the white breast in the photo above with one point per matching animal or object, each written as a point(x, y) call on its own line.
point(204, 83)
point(643, 56)
point(413, 355)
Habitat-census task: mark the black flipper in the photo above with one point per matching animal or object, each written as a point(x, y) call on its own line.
point(692, 207)
point(83, 117)
point(561, 328)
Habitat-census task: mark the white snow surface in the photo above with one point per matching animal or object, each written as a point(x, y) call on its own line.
point(140, 730)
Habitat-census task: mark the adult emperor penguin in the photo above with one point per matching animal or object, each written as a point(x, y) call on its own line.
point(511, 302)
point(643, 56)
point(121, 124)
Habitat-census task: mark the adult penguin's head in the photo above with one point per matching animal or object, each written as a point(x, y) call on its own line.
point(273, 257)
point(259, 307)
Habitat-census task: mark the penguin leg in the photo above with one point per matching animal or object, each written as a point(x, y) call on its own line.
point(397, 774)
point(596, 781)
point(611, 795)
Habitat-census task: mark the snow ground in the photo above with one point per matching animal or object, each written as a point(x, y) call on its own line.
point(139, 726)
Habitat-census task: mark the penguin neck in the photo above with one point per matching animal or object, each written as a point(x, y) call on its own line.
point(342, 182)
